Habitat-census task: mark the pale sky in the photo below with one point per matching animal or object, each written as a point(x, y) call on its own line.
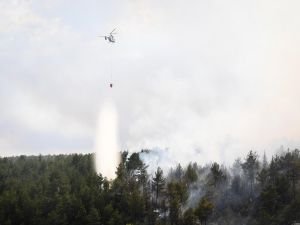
point(207, 80)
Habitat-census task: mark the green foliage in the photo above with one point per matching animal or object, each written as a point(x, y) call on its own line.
point(250, 168)
point(158, 184)
point(217, 175)
point(177, 196)
point(204, 210)
point(189, 217)
point(65, 189)
point(279, 200)
point(48, 190)
point(191, 174)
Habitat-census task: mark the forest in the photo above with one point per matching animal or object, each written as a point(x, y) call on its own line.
point(65, 189)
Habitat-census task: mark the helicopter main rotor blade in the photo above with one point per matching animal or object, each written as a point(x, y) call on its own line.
point(113, 31)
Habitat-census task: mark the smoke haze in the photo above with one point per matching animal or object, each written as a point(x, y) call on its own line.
point(199, 81)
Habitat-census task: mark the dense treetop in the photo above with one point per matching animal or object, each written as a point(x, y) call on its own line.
point(65, 189)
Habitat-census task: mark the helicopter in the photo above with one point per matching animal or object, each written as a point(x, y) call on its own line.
point(110, 37)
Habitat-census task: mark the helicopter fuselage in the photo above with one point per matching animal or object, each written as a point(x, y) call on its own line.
point(110, 38)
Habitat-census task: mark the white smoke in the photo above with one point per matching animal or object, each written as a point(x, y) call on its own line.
point(107, 141)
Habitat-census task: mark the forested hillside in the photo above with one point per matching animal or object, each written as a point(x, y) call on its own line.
point(65, 189)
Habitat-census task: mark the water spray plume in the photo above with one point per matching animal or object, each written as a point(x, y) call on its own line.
point(107, 146)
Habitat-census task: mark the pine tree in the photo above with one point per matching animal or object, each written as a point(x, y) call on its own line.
point(217, 175)
point(158, 183)
point(204, 210)
point(250, 168)
point(190, 174)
